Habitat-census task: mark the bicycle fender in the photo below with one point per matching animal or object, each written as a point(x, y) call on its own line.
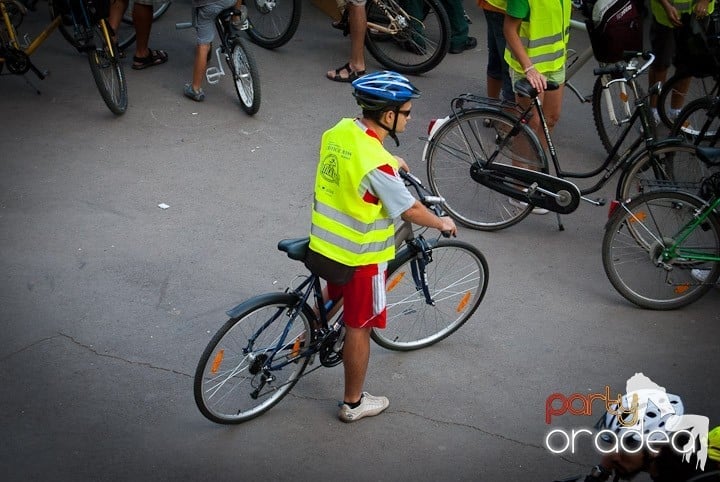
point(527, 186)
point(238, 310)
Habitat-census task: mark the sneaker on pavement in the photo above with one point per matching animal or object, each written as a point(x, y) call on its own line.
point(369, 407)
point(523, 205)
point(196, 95)
point(700, 274)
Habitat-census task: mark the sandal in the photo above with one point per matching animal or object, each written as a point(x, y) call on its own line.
point(156, 57)
point(351, 74)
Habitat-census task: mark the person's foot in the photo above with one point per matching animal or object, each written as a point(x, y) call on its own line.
point(153, 58)
point(523, 205)
point(700, 274)
point(469, 44)
point(369, 407)
point(196, 95)
point(344, 74)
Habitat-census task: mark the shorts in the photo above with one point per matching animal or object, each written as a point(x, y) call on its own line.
point(556, 76)
point(357, 3)
point(363, 297)
point(497, 67)
point(662, 43)
point(146, 2)
point(205, 20)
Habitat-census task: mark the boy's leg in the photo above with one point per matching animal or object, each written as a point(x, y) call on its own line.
point(200, 66)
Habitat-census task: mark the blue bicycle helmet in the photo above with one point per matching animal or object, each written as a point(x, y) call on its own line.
point(381, 90)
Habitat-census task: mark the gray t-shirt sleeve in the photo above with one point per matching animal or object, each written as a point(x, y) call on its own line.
point(390, 189)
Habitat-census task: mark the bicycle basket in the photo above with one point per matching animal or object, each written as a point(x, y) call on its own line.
point(614, 26)
point(83, 12)
point(698, 41)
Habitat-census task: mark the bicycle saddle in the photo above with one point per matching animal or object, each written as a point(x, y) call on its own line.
point(295, 248)
point(524, 88)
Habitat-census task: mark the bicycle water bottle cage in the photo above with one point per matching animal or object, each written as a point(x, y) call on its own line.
point(213, 74)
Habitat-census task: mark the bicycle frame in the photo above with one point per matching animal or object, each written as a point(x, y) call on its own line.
point(14, 42)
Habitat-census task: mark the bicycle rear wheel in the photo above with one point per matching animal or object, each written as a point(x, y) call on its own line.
point(76, 34)
point(473, 137)
point(457, 278)
point(273, 22)
point(245, 76)
point(698, 123)
point(673, 166)
point(407, 36)
point(634, 241)
point(107, 71)
point(671, 92)
point(238, 377)
point(126, 29)
point(612, 108)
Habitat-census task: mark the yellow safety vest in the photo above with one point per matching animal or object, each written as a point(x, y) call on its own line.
point(545, 36)
point(682, 6)
point(345, 228)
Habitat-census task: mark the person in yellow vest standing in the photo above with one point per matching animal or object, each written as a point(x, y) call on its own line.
point(358, 192)
point(668, 16)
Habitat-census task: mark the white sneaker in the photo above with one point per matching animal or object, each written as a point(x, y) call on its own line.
point(523, 205)
point(369, 407)
point(700, 274)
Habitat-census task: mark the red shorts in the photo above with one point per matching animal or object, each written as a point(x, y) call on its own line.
point(363, 297)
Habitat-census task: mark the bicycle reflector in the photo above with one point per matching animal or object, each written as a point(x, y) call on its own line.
point(613, 207)
point(431, 125)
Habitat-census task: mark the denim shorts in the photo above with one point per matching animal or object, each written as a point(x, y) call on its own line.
point(497, 67)
point(205, 19)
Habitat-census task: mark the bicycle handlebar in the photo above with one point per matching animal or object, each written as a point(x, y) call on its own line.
point(623, 66)
point(428, 199)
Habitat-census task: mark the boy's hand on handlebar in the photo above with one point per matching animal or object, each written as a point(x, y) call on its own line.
point(448, 227)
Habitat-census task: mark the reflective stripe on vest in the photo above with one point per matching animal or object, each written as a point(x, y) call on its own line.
point(544, 35)
point(346, 228)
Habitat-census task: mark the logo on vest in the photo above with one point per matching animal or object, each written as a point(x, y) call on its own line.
point(329, 169)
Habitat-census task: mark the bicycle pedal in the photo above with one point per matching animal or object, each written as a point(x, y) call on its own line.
point(213, 74)
point(601, 201)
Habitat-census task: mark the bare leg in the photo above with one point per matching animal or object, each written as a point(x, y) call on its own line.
point(117, 10)
point(142, 19)
point(356, 355)
point(201, 54)
point(656, 75)
point(357, 18)
point(493, 87)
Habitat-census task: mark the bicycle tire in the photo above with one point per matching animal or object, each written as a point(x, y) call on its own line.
point(420, 37)
point(675, 165)
point(245, 76)
point(699, 87)
point(75, 35)
point(457, 277)
point(629, 262)
point(612, 108)
point(697, 125)
point(224, 378)
point(449, 159)
point(108, 72)
point(126, 35)
point(273, 22)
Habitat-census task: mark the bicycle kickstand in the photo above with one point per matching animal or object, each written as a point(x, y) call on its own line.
point(561, 226)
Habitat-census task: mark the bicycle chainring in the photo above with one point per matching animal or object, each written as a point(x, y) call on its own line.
point(331, 349)
point(17, 61)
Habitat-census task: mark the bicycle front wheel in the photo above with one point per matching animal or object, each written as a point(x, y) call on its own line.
point(75, 34)
point(107, 71)
point(672, 98)
point(635, 239)
point(673, 166)
point(407, 36)
point(273, 22)
point(472, 138)
point(457, 279)
point(245, 76)
point(250, 364)
point(612, 108)
point(698, 123)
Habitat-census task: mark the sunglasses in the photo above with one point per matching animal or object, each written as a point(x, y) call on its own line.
point(406, 113)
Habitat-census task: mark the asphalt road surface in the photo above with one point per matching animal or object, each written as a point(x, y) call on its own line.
point(107, 301)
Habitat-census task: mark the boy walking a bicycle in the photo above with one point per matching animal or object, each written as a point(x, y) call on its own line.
point(204, 13)
point(357, 194)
